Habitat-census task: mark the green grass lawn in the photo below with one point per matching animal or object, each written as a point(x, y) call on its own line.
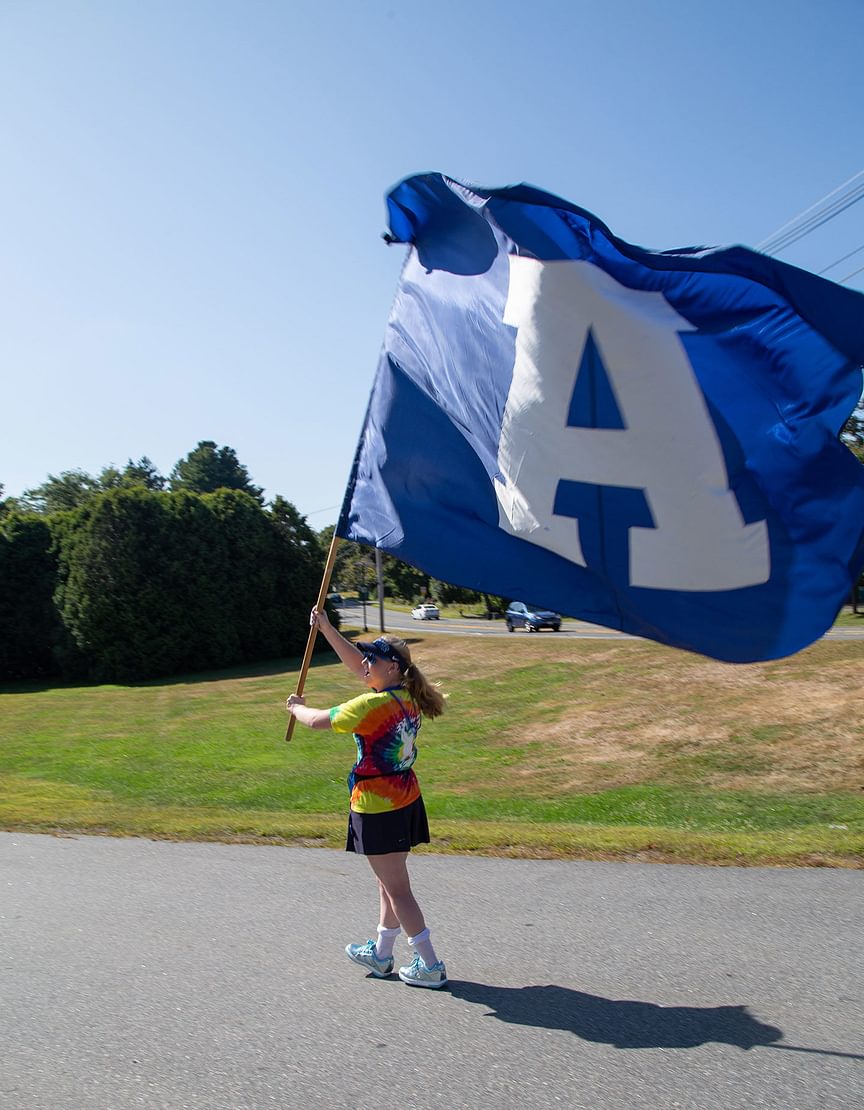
point(848, 619)
point(549, 747)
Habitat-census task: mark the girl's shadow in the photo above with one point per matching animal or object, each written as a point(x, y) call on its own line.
point(624, 1024)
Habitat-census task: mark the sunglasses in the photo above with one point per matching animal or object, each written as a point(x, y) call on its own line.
point(384, 652)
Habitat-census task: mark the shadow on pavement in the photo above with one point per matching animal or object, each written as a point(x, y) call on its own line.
point(622, 1023)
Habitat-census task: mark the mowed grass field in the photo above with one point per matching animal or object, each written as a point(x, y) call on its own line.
point(550, 747)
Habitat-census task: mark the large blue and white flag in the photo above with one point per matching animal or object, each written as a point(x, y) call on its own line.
point(647, 441)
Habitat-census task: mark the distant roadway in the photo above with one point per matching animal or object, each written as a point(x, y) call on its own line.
point(395, 621)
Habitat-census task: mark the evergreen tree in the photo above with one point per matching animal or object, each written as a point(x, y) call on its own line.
point(209, 468)
point(29, 624)
point(163, 583)
point(59, 493)
point(346, 553)
point(73, 488)
point(454, 595)
point(354, 569)
point(142, 474)
point(403, 580)
point(291, 522)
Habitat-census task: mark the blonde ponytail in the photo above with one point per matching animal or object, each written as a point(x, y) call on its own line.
point(426, 694)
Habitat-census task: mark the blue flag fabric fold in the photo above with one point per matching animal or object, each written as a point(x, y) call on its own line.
point(645, 440)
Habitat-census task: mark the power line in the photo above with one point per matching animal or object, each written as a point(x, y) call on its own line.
point(795, 219)
point(843, 259)
point(812, 206)
point(853, 274)
point(817, 221)
point(780, 242)
point(798, 226)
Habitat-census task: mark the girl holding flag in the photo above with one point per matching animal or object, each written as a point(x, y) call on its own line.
point(387, 817)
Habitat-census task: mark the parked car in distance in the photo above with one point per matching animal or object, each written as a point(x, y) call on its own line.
point(425, 613)
point(334, 599)
point(520, 615)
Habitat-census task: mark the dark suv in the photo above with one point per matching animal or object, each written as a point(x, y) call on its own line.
point(520, 615)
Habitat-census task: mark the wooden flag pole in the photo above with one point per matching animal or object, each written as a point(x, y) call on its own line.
point(313, 631)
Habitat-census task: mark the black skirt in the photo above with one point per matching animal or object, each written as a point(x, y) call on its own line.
point(398, 830)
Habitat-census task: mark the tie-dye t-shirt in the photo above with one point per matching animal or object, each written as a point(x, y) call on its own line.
point(385, 729)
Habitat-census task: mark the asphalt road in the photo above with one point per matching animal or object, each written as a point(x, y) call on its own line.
point(395, 621)
point(143, 974)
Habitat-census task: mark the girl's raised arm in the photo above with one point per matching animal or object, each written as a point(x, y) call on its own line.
point(351, 656)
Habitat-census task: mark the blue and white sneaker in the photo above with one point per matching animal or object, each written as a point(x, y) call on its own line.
point(417, 974)
point(365, 955)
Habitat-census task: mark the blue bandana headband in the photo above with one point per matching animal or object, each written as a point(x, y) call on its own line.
point(383, 649)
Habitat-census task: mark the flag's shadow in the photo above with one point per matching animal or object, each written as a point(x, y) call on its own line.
point(622, 1023)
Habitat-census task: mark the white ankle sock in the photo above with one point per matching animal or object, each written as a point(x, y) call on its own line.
point(385, 942)
point(422, 944)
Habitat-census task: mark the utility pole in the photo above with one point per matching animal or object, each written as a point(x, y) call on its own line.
point(380, 577)
point(362, 589)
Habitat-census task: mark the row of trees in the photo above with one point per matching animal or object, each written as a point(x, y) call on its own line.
point(204, 470)
point(128, 575)
point(118, 578)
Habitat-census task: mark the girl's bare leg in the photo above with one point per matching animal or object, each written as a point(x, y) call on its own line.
point(391, 870)
point(387, 915)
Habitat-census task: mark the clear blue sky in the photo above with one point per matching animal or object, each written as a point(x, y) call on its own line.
point(192, 190)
